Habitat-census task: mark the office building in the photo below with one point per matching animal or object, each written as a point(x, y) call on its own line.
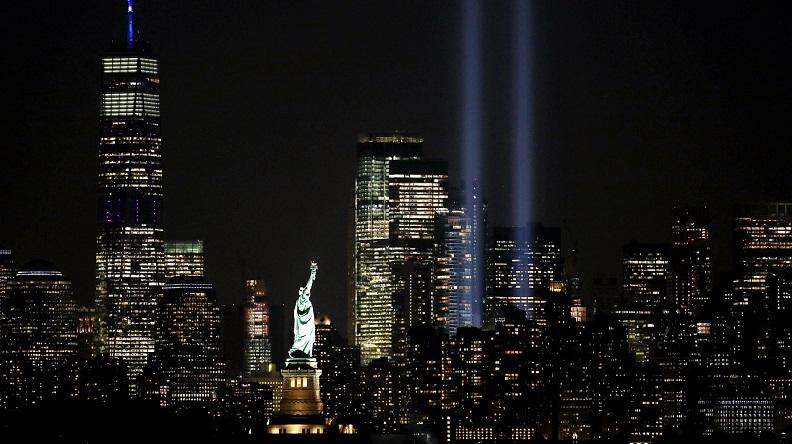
point(456, 304)
point(186, 369)
point(524, 266)
point(691, 259)
point(397, 199)
point(646, 286)
point(41, 334)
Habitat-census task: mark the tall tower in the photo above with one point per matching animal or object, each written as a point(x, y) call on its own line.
point(397, 200)
point(373, 310)
point(129, 241)
point(455, 303)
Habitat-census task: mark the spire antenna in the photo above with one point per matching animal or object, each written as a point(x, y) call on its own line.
point(130, 27)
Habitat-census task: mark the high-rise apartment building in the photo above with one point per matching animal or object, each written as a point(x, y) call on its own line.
point(397, 200)
point(184, 258)
point(129, 254)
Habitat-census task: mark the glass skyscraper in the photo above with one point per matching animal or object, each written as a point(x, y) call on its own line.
point(397, 200)
point(455, 304)
point(129, 254)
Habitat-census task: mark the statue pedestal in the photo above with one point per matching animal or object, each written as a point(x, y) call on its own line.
point(301, 408)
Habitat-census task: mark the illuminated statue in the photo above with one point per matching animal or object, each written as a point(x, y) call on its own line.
point(304, 332)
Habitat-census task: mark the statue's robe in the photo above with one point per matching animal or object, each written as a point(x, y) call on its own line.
point(304, 330)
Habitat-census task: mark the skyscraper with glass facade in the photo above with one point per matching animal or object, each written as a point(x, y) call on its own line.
point(129, 253)
point(184, 258)
point(397, 200)
point(455, 303)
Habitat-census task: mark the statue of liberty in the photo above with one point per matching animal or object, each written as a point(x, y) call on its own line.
point(304, 331)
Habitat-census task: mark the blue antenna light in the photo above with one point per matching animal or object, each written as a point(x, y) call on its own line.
point(130, 28)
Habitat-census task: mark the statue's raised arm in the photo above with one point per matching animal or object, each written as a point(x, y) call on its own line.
point(311, 278)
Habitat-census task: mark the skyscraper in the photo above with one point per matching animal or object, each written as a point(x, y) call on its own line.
point(646, 285)
point(762, 246)
point(524, 264)
point(7, 271)
point(456, 305)
point(762, 250)
point(691, 260)
point(41, 322)
point(186, 368)
point(129, 254)
point(412, 300)
point(397, 199)
point(257, 347)
point(184, 258)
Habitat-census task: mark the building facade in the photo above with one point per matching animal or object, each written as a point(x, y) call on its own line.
point(187, 368)
point(257, 347)
point(40, 321)
point(184, 258)
point(524, 265)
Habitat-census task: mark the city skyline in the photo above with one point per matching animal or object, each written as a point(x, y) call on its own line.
point(523, 243)
point(609, 127)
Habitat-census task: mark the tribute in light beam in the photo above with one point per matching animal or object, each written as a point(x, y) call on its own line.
point(522, 114)
point(470, 120)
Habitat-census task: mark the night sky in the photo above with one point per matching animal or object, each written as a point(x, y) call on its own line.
point(638, 107)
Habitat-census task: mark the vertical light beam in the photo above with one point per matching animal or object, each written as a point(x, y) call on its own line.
point(522, 113)
point(470, 122)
